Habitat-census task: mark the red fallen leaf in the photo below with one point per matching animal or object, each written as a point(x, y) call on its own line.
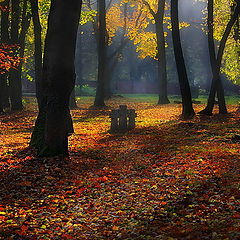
point(24, 228)
point(102, 179)
point(236, 216)
point(57, 228)
point(80, 191)
point(2, 209)
point(2, 218)
point(67, 236)
point(105, 178)
point(115, 228)
point(97, 185)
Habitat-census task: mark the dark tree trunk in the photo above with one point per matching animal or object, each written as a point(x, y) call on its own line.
point(79, 59)
point(14, 78)
point(99, 99)
point(216, 86)
point(187, 110)
point(161, 54)
point(54, 122)
point(37, 47)
point(4, 88)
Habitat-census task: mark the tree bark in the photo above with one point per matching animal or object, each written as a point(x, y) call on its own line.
point(99, 99)
point(54, 122)
point(187, 109)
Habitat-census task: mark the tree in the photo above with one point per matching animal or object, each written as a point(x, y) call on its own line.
point(100, 91)
point(216, 86)
point(37, 47)
point(158, 16)
point(187, 108)
point(20, 20)
point(54, 122)
point(8, 60)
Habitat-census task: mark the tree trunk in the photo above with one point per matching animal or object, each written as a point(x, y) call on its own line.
point(161, 54)
point(5, 90)
point(15, 85)
point(15, 79)
point(5, 40)
point(99, 99)
point(37, 48)
point(216, 85)
point(187, 110)
point(54, 122)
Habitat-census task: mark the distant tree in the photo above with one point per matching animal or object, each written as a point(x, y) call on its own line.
point(187, 108)
point(10, 60)
point(54, 122)
point(102, 43)
point(20, 21)
point(158, 16)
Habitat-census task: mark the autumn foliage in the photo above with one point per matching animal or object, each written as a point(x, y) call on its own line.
point(166, 179)
point(8, 57)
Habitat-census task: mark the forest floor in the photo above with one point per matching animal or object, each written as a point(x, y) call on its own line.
point(166, 179)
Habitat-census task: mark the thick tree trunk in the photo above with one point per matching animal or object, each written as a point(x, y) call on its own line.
point(54, 122)
point(187, 110)
point(216, 86)
point(161, 54)
point(5, 90)
point(99, 99)
point(37, 47)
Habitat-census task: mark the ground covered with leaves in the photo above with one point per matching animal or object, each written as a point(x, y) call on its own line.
point(166, 179)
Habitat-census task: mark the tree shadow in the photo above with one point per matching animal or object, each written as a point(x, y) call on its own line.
point(90, 113)
point(34, 180)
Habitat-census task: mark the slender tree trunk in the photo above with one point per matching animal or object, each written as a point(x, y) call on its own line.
point(216, 86)
point(99, 99)
point(14, 78)
point(37, 48)
point(54, 122)
point(187, 110)
point(161, 54)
